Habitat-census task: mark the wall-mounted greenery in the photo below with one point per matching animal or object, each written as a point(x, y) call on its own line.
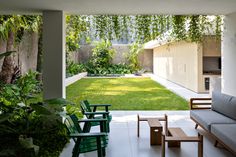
point(141, 28)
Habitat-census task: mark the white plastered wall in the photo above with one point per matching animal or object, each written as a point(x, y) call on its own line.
point(229, 55)
point(178, 62)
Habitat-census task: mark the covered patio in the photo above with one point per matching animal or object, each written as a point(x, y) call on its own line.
point(123, 139)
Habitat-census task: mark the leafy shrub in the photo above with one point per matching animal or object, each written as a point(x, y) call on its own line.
point(112, 69)
point(132, 56)
point(102, 54)
point(19, 117)
point(73, 68)
point(22, 90)
point(40, 121)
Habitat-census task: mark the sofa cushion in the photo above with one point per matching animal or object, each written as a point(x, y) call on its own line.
point(224, 104)
point(226, 133)
point(207, 117)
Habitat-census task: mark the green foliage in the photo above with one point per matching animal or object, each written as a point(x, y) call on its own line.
point(142, 28)
point(75, 25)
point(41, 121)
point(102, 54)
point(132, 56)
point(179, 31)
point(73, 68)
point(195, 34)
point(116, 26)
point(111, 70)
point(4, 54)
point(218, 23)
point(22, 90)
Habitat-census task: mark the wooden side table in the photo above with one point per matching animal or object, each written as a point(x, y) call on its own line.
point(155, 131)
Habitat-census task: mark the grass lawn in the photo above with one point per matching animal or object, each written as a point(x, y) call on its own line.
point(125, 94)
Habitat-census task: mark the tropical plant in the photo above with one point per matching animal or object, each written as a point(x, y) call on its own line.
point(75, 25)
point(12, 29)
point(73, 68)
point(22, 90)
point(132, 56)
point(40, 121)
point(102, 54)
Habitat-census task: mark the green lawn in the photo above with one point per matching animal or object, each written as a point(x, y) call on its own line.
point(126, 94)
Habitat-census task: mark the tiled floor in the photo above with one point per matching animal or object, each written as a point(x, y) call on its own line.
point(123, 141)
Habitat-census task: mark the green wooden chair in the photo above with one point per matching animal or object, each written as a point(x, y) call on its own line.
point(91, 112)
point(86, 141)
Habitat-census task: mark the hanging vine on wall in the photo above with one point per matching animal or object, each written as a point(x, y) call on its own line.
point(178, 23)
point(218, 24)
point(194, 31)
point(116, 26)
point(141, 28)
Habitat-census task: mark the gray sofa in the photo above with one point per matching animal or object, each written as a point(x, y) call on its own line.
point(217, 117)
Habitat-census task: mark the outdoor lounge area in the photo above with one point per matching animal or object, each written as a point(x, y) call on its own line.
point(123, 140)
point(48, 108)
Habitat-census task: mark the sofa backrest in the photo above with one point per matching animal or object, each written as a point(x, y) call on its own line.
point(224, 104)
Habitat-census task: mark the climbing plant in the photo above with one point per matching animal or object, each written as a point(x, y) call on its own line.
point(179, 25)
point(75, 26)
point(194, 31)
point(218, 23)
point(140, 28)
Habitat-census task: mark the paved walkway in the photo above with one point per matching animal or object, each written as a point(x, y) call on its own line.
point(180, 90)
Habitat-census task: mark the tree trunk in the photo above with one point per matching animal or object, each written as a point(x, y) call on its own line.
point(8, 63)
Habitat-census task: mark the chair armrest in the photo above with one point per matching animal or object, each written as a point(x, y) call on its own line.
point(92, 120)
point(99, 105)
point(200, 103)
point(95, 106)
point(96, 113)
point(88, 134)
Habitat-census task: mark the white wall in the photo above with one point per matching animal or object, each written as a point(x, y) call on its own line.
point(229, 55)
point(178, 62)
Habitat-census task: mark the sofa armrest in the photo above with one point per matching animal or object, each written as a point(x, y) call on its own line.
point(200, 103)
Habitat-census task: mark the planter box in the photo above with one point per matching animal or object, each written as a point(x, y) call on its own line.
point(75, 78)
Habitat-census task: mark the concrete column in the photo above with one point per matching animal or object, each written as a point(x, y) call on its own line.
point(53, 54)
point(229, 55)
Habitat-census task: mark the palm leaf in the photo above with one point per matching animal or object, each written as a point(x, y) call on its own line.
point(2, 55)
point(40, 109)
point(59, 101)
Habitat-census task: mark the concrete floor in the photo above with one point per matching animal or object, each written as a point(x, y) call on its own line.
point(123, 140)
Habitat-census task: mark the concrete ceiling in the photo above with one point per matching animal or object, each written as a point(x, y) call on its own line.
point(120, 6)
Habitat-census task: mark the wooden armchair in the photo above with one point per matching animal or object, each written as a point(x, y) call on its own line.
point(86, 141)
point(90, 112)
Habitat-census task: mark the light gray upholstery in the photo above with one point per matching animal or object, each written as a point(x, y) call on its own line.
point(224, 104)
point(208, 117)
point(226, 133)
